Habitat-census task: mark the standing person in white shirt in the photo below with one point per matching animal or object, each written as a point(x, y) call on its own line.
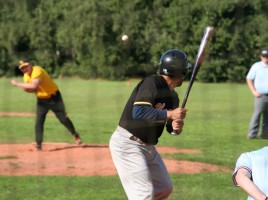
point(251, 174)
point(257, 80)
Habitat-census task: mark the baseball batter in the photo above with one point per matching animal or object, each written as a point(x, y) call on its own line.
point(152, 105)
point(48, 96)
point(251, 174)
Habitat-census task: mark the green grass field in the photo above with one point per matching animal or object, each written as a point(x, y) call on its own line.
point(217, 121)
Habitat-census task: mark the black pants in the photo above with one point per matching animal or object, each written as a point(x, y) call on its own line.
point(55, 103)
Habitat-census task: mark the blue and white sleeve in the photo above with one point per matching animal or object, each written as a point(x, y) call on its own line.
point(148, 113)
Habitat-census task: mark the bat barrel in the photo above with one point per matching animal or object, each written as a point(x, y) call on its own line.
point(198, 61)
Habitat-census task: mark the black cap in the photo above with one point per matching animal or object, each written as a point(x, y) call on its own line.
point(264, 52)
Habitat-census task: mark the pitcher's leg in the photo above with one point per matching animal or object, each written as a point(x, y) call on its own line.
point(41, 112)
point(65, 120)
point(58, 108)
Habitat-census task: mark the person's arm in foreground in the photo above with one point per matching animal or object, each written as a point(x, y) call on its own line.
point(243, 179)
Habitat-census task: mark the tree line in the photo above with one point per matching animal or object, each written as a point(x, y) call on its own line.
point(83, 37)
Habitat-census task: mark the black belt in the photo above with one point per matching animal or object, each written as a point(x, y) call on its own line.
point(134, 138)
point(55, 94)
point(51, 95)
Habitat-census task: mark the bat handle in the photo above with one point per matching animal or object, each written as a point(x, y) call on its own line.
point(175, 133)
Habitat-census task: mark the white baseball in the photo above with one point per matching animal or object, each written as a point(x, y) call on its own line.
point(124, 37)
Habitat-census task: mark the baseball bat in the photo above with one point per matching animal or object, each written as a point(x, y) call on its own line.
point(198, 62)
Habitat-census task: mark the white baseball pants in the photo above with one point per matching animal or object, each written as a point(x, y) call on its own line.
point(141, 170)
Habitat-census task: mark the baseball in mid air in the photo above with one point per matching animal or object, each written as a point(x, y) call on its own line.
point(124, 37)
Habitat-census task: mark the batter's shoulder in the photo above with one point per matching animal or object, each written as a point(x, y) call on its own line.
point(149, 79)
point(155, 78)
point(158, 81)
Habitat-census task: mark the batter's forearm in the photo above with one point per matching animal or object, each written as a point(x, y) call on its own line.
point(176, 114)
point(148, 113)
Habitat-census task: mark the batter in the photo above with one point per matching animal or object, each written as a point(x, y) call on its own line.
point(152, 106)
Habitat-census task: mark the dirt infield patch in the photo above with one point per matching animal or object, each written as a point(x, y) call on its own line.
point(83, 160)
point(20, 114)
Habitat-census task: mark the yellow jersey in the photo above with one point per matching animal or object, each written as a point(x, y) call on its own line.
point(47, 87)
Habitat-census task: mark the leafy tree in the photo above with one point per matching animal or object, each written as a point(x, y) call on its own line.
point(83, 38)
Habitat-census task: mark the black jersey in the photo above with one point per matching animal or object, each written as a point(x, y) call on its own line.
point(149, 92)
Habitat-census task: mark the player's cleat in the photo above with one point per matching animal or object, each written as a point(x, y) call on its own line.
point(77, 139)
point(250, 137)
point(38, 147)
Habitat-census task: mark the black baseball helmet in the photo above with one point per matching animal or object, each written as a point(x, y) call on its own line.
point(173, 62)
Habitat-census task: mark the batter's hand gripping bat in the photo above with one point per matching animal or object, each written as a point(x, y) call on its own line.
point(198, 61)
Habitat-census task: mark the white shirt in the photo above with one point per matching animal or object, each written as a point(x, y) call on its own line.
point(259, 73)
